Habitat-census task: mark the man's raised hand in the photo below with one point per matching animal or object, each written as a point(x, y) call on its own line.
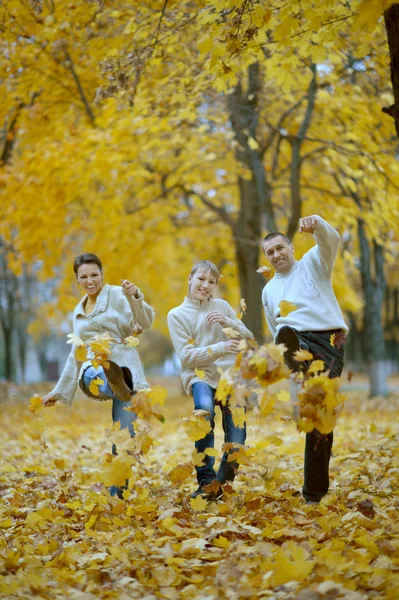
point(308, 224)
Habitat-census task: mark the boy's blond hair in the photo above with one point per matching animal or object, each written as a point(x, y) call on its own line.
point(206, 265)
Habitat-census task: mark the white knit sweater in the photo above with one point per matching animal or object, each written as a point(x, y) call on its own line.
point(307, 285)
point(199, 344)
point(115, 313)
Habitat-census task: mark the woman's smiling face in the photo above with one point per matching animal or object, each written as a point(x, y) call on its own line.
point(90, 278)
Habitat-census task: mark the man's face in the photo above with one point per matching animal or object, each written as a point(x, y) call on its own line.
point(279, 253)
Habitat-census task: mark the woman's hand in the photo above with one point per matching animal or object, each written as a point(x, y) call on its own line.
point(216, 317)
point(50, 399)
point(129, 288)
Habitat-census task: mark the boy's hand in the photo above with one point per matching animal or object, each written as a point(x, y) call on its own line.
point(233, 346)
point(216, 317)
point(129, 288)
point(308, 224)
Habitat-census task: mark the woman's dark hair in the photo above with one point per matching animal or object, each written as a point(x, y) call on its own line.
point(84, 259)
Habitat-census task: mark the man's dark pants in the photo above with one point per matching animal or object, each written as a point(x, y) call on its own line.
point(318, 446)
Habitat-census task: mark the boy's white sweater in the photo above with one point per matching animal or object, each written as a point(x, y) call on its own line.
point(198, 344)
point(307, 285)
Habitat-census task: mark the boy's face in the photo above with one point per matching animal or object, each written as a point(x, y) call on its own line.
point(279, 253)
point(202, 284)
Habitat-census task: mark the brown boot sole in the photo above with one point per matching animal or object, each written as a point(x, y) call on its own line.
point(117, 383)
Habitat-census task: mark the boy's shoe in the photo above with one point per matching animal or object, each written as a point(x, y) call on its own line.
point(116, 379)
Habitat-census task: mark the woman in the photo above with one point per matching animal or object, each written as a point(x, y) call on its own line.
point(118, 311)
point(196, 329)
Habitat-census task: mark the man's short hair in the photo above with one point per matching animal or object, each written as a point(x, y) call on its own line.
point(274, 234)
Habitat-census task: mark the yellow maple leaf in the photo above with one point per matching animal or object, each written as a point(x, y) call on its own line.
point(211, 452)
point(74, 339)
point(286, 308)
point(221, 542)
point(180, 473)
point(199, 373)
point(266, 272)
point(140, 404)
point(316, 366)
point(36, 404)
point(198, 503)
point(94, 385)
point(332, 339)
point(239, 416)
point(157, 394)
point(252, 143)
point(283, 396)
point(132, 341)
point(231, 333)
point(81, 353)
point(302, 355)
point(198, 458)
point(373, 428)
point(117, 471)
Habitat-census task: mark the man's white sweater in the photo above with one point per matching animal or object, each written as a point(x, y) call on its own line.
point(199, 344)
point(307, 284)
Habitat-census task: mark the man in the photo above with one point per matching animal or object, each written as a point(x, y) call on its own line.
point(307, 284)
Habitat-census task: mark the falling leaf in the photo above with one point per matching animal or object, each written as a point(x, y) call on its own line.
point(266, 272)
point(157, 394)
point(180, 473)
point(81, 353)
point(283, 396)
point(132, 341)
point(316, 366)
point(243, 305)
point(239, 416)
point(231, 333)
point(198, 458)
point(36, 404)
point(211, 452)
point(199, 373)
point(350, 376)
point(252, 143)
point(301, 355)
point(94, 385)
point(74, 339)
point(286, 308)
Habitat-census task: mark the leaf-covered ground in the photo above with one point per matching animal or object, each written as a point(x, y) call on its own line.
point(63, 536)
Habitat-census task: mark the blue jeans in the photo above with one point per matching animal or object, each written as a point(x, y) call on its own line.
point(204, 399)
point(119, 414)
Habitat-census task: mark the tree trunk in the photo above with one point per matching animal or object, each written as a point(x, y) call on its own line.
point(391, 17)
point(373, 284)
point(255, 197)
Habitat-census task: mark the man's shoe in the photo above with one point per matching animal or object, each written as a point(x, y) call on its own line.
point(116, 379)
point(288, 337)
point(199, 492)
